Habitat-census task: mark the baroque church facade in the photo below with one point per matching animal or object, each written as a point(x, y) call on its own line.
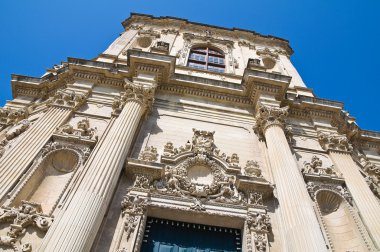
point(183, 136)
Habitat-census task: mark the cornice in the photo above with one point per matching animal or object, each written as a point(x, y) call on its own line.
point(179, 23)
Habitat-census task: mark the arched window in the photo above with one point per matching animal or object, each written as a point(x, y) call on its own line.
point(206, 58)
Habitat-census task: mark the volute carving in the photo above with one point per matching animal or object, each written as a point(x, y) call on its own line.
point(68, 99)
point(139, 92)
point(267, 116)
point(333, 141)
point(28, 214)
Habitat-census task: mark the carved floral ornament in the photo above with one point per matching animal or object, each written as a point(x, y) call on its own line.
point(334, 141)
point(371, 172)
point(19, 219)
point(68, 99)
point(11, 116)
point(142, 93)
point(82, 130)
point(315, 168)
point(259, 225)
point(267, 116)
point(314, 188)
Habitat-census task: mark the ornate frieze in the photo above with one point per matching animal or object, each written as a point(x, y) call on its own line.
point(334, 141)
point(68, 99)
point(267, 116)
point(371, 172)
point(19, 219)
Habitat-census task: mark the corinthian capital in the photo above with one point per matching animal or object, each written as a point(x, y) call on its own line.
point(68, 99)
point(267, 116)
point(333, 141)
point(142, 92)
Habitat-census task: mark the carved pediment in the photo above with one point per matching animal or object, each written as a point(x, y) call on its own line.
point(199, 171)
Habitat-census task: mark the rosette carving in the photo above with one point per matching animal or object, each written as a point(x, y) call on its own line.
point(267, 116)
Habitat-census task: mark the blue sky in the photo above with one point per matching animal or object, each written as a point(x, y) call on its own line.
point(335, 42)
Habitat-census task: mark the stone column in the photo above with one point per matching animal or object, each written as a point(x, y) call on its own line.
point(366, 202)
point(300, 225)
point(78, 223)
point(17, 159)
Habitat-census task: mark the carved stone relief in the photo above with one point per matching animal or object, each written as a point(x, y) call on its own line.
point(333, 141)
point(267, 116)
point(82, 130)
point(11, 116)
point(68, 99)
point(19, 219)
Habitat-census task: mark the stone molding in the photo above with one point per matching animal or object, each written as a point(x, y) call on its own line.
point(267, 116)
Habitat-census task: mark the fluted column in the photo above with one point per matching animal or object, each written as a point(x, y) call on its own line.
point(17, 159)
point(300, 225)
point(366, 202)
point(76, 227)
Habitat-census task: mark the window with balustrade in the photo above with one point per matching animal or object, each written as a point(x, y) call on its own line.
point(205, 58)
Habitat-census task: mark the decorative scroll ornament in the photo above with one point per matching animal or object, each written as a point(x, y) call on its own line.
point(267, 116)
point(149, 154)
point(28, 214)
point(197, 205)
point(12, 116)
point(68, 99)
point(141, 181)
point(133, 205)
point(83, 130)
point(203, 142)
point(315, 168)
point(255, 199)
point(139, 92)
point(259, 224)
point(252, 169)
point(333, 141)
point(372, 172)
point(181, 181)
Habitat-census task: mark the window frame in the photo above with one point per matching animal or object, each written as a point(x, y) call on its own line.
point(209, 65)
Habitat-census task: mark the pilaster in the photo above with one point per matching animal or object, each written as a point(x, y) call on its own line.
point(76, 226)
point(17, 159)
point(339, 150)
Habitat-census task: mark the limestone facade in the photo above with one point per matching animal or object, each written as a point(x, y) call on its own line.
point(187, 123)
